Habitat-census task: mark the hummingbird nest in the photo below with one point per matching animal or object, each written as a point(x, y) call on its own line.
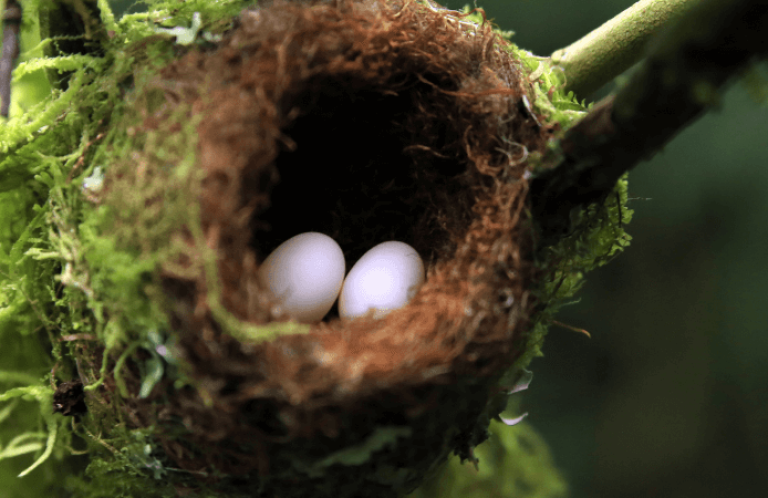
point(367, 121)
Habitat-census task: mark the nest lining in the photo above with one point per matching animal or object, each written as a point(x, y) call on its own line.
point(369, 122)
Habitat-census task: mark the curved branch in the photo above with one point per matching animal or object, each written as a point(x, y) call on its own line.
point(688, 66)
point(614, 47)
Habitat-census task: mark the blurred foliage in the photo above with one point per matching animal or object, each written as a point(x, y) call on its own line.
point(514, 461)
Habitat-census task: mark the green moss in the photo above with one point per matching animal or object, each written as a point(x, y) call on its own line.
point(63, 263)
point(597, 238)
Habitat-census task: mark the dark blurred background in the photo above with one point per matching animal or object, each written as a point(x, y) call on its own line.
point(670, 396)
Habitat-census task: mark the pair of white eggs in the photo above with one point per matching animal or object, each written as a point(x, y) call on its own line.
point(306, 275)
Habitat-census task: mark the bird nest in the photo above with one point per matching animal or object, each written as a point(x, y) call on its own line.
point(367, 121)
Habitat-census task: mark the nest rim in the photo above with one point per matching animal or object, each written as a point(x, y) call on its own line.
point(473, 359)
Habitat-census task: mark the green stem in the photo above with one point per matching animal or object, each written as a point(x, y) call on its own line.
point(614, 47)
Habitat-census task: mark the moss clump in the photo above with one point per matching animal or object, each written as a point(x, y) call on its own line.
point(164, 174)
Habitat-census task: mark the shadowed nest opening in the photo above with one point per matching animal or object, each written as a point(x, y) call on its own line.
point(366, 121)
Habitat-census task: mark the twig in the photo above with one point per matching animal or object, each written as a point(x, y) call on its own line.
point(614, 47)
point(689, 65)
point(11, 26)
point(572, 328)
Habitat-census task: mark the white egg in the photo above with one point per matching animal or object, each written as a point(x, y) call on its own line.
point(384, 279)
point(305, 274)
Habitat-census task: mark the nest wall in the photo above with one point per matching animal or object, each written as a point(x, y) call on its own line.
point(368, 122)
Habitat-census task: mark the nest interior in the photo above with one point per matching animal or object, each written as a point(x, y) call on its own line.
point(367, 121)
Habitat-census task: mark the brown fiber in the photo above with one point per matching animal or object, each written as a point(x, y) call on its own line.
point(368, 121)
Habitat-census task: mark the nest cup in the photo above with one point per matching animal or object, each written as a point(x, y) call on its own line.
point(366, 121)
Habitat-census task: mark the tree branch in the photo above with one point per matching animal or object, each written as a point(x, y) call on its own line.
point(614, 47)
point(688, 66)
point(11, 24)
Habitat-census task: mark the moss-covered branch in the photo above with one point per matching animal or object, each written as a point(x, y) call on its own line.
point(611, 49)
point(688, 65)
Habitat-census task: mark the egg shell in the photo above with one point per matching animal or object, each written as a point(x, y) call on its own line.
point(384, 279)
point(305, 274)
